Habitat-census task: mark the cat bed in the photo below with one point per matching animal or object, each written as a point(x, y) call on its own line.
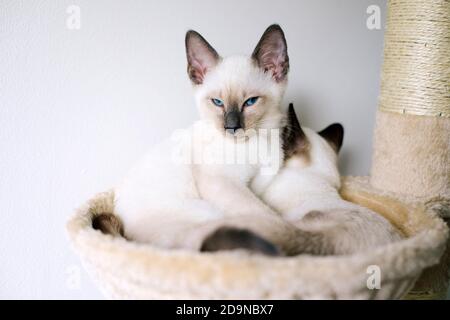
point(128, 270)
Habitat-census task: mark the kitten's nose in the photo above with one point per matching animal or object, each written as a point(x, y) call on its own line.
point(232, 121)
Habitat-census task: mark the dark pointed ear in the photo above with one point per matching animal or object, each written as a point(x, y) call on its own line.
point(293, 120)
point(271, 53)
point(201, 56)
point(334, 134)
point(294, 139)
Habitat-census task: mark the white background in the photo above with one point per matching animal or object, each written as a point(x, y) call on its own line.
point(78, 107)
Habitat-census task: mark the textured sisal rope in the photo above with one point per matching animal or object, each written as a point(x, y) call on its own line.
point(416, 69)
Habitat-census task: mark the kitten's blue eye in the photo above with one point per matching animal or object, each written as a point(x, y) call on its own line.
point(251, 101)
point(217, 102)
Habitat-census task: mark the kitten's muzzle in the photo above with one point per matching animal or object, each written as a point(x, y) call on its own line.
point(232, 121)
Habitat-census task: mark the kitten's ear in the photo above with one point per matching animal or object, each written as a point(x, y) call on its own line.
point(293, 120)
point(294, 139)
point(334, 134)
point(201, 56)
point(271, 53)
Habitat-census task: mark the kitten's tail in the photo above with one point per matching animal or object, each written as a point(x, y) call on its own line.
point(108, 223)
point(270, 235)
point(230, 238)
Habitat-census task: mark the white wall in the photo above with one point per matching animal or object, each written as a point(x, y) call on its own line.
point(77, 107)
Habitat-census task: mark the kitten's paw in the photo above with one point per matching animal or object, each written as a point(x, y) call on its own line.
point(108, 224)
point(229, 238)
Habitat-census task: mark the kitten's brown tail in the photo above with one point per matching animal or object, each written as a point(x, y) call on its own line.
point(230, 238)
point(265, 234)
point(108, 223)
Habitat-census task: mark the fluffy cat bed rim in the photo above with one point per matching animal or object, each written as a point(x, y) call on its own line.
point(125, 269)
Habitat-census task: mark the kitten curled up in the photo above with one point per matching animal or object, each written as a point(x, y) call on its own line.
point(305, 193)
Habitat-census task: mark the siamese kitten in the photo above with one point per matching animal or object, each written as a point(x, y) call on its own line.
point(177, 205)
point(305, 193)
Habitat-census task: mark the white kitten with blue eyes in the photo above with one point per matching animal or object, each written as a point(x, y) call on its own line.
point(177, 205)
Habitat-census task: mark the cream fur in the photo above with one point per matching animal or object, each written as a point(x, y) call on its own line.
point(412, 155)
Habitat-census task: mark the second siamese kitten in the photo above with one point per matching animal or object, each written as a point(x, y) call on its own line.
point(306, 193)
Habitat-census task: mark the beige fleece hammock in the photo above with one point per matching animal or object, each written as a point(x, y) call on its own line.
point(409, 185)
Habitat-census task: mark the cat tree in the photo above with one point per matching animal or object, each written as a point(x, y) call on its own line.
point(411, 156)
point(409, 185)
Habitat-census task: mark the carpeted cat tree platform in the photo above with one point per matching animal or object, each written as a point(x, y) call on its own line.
point(409, 185)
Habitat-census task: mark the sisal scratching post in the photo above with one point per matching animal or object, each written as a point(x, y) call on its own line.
point(412, 135)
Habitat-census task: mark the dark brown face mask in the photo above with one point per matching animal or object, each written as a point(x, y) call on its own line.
point(232, 121)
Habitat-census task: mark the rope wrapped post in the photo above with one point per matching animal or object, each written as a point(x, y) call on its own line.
point(412, 134)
